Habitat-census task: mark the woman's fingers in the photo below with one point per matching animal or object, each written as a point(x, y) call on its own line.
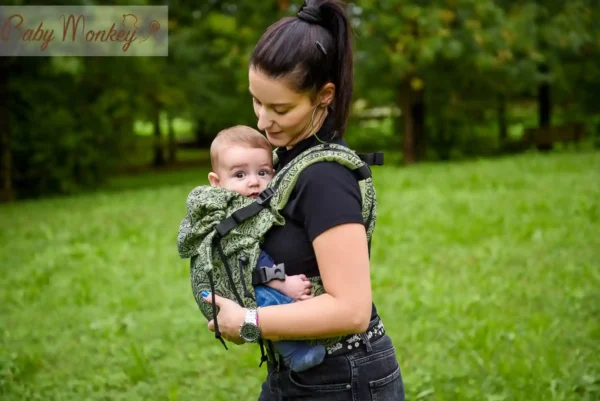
point(219, 300)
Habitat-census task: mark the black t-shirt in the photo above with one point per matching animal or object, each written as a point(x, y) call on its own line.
point(326, 194)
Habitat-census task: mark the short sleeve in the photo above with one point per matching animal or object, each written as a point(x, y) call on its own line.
point(327, 195)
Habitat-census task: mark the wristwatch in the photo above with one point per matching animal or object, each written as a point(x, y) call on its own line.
point(249, 330)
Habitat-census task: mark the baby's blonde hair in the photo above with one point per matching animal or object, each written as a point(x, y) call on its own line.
point(237, 135)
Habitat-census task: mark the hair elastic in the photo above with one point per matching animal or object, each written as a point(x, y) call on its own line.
point(312, 15)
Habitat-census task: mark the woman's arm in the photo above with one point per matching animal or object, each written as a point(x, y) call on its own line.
point(343, 259)
point(342, 254)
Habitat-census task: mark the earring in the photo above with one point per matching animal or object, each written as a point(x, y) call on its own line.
point(312, 124)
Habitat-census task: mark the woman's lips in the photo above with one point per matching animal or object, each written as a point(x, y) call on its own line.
point(273, 133)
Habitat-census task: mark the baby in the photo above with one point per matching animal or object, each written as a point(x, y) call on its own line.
point(242, 161)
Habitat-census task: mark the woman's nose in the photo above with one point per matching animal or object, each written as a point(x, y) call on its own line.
point(263, 120)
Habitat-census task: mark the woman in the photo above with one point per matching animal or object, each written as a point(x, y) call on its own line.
point(301, 82)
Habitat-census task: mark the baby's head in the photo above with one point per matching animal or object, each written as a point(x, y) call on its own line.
point(241, 160)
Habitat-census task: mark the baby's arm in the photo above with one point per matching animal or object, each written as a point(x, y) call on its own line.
point(296, 287)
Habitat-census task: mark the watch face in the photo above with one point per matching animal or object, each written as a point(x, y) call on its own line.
point(249, 332)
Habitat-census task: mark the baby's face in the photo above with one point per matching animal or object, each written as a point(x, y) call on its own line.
point(244, 170)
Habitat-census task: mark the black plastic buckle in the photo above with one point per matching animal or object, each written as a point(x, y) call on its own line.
point(265, 196)
point(264, 274)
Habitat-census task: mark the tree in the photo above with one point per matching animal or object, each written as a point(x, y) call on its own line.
point(443, 60)
point(6, 187)
point(408, 45)
point(568, 40)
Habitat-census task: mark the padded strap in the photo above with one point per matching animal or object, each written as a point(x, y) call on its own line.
point(325, 151)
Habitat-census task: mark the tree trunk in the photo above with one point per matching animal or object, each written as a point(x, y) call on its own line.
point(544, 101)
point(544, 107)
point(502, 124)
point(6, 187)
point(159, 157)
point(413, 114)
point(172, 141)
point(203, 135)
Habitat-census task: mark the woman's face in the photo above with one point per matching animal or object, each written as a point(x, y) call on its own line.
point(283, 114)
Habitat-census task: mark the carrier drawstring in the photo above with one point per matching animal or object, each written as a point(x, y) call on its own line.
point(263, 356)
point(243, 262)
point(217, 240)
point(227, 269)
point(214, 308)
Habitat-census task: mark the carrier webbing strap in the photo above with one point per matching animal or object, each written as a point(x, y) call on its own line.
point(245, 213)
point(362, 173)
point(372, 159)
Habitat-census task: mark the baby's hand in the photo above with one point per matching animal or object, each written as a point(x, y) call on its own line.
point(296, 287)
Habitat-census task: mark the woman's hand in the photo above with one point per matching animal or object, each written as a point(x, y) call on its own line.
point(230, 318)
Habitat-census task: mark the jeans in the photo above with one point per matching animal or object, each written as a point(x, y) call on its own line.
point(359, 375)
point(298, 355)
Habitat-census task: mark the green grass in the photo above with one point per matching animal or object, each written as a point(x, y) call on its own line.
point(486, 274)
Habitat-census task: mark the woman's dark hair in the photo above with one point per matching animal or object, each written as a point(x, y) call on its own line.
point(310, 50)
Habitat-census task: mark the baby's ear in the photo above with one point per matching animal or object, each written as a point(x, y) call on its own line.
point(213, 178)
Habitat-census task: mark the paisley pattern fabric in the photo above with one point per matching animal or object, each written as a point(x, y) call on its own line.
point(207, 206)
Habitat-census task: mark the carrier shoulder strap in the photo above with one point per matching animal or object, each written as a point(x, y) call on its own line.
point(280, 188)
point(285, 180)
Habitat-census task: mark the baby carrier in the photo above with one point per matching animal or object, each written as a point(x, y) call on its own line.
point(222, 230)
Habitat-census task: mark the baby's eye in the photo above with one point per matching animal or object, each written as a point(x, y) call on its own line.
point(239, 174)
point(263, 173)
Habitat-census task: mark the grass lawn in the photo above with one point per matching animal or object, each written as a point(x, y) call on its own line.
point(486, 274)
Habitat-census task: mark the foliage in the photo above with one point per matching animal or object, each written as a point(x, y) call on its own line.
point(470, 56)
point(70, 125)
point(485, 274)
point(72, 118)
point(212, 52)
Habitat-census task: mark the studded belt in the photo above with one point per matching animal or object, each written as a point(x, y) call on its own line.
point(375, 331)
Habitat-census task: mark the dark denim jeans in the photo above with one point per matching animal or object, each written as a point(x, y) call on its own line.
point(359, 375)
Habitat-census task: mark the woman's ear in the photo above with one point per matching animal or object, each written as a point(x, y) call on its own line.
point(213, 178)
point(326, 94)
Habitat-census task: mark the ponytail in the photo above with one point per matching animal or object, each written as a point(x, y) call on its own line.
point(311, 49)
